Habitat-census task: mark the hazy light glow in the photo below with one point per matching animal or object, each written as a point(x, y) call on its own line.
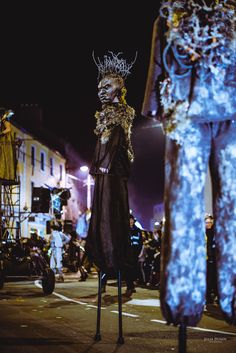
point(84, 168)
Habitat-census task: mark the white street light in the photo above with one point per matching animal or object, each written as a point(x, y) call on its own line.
point(89, 183)
point(84, 168)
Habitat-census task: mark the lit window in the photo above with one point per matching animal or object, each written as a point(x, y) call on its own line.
point(51, 166)
point(42, 161)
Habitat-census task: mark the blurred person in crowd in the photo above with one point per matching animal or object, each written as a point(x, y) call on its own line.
point(35, 246)
point(134, 274)
point(212, 293)
point(57, 241)
point(154, 255)
point(83, 223)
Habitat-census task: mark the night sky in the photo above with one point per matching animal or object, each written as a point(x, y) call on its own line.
point(46, 59)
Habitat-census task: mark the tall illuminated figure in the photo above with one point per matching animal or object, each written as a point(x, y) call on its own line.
point(191, 90)
point(7, 149)
point(107, 243)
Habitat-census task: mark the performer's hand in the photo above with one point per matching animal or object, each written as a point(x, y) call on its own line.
point(103, 170)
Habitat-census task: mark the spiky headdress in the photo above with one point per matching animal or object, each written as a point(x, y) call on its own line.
point(112, 64)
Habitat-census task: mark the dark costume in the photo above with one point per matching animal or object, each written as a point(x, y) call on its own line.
point(191, 89)
point(136, 241)
point(107, 242)
point(212, 292)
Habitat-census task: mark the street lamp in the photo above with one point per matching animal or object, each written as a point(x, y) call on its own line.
point(84, 168)
point(89, 183)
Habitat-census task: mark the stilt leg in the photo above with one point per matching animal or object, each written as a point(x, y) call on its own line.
point(97, 336)
point(120, 339)
point(182, 338)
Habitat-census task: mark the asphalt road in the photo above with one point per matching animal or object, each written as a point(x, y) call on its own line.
point(65, 321)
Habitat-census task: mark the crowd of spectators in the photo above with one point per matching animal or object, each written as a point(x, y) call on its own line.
point(65, 252)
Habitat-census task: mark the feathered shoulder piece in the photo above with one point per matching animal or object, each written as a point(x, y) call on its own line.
point(114, 115)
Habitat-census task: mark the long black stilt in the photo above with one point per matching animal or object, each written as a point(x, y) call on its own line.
point(182, 338)
point(97, 336)
point(120, 339)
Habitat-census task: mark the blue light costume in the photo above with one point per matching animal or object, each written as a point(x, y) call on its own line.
point(191, 90)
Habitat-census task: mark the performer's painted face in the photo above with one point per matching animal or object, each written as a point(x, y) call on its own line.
point(108, 90)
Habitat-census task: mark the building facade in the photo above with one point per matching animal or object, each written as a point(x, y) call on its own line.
point(38, 166)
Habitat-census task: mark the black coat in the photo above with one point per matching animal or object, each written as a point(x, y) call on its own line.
point(107, 243)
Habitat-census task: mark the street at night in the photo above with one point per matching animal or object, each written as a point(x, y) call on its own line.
point(65, 321)
point(117, 177)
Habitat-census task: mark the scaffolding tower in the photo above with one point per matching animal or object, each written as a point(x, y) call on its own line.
point(10, 222)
